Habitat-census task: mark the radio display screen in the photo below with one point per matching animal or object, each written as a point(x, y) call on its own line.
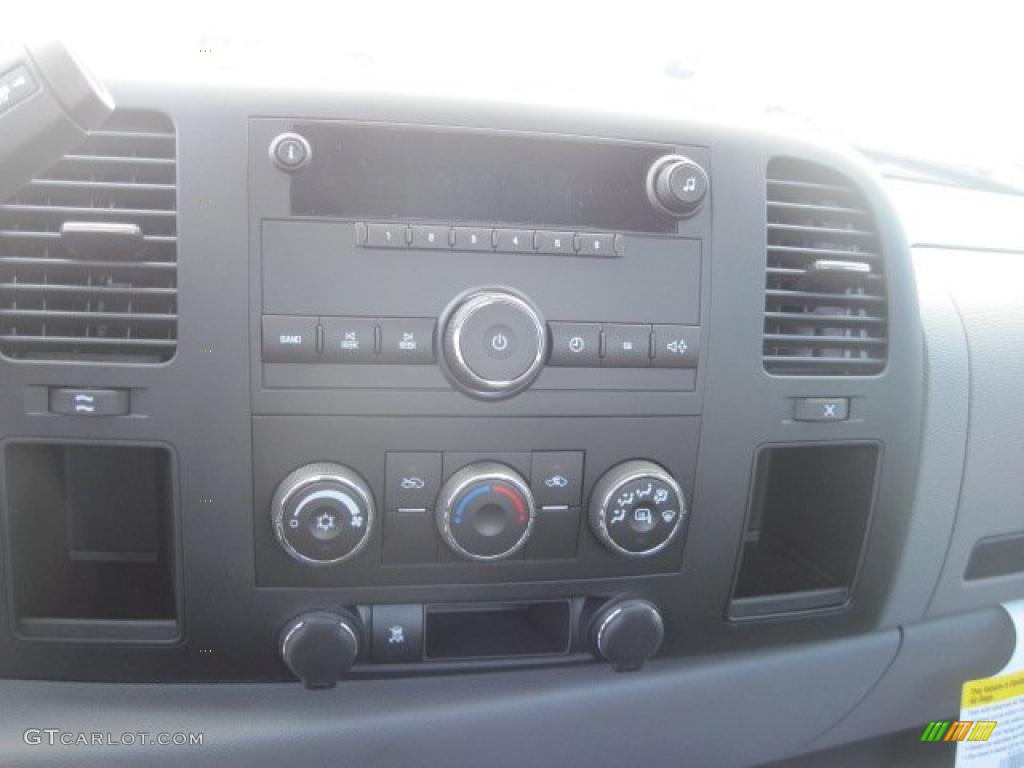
point(409, 173)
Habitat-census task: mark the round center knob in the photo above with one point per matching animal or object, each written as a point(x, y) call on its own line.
point(486, 511)
point(322, 514)
point(494, 343)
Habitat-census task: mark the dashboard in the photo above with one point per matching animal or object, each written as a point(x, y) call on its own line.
point(453, 413)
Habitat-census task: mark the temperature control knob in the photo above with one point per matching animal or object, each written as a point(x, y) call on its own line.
point(322, 514)
point(486, 511)
point(636, 509)
point(676, 186)
point(494, 342)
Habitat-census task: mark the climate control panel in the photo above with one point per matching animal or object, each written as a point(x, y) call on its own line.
point(341, 505)
point(323, 513)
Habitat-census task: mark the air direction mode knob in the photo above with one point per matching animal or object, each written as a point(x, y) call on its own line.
point(322, 514)
point(637, 509)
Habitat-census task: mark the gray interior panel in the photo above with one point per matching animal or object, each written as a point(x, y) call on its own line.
point(989, 299)
point(943, 445)
point(670, 714)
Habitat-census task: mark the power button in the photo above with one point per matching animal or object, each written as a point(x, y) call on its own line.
point(494, 342)
point(290, 152)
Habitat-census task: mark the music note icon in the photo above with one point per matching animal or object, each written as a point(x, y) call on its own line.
point(690, 185)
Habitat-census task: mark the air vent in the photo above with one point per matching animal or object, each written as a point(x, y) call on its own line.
point(825, 297)
point(88, 250)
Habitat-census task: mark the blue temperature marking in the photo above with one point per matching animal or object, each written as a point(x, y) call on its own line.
point(461, 506)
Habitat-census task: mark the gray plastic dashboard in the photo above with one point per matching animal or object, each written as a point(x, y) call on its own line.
point(945, 411)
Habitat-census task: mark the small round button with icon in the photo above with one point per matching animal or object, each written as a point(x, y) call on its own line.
point(290, 152)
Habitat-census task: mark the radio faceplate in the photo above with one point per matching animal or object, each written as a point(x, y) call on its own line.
point(347, 289)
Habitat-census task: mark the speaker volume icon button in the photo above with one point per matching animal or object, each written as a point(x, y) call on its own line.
point(676, 346)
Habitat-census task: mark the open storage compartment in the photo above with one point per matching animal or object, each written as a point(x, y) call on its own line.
point(91, 541)
point(806, 528)
point(499, 630)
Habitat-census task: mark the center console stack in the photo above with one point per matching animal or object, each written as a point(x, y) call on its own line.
point(465, 393)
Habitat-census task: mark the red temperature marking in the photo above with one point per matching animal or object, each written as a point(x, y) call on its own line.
point(516, 499)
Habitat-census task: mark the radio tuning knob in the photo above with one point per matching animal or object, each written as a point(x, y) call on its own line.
point(637, 509)
point(676, 186)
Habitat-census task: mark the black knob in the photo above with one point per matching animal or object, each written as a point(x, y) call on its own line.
point(322, 514)
point(494, 343)
point(627, 633)
point(676, 186)
point(319, 647)
point(486, 511)
point(637, 509)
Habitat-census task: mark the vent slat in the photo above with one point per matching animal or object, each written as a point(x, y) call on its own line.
point(71, 210)
point(809, 208)
point(100, 133)
point(115, 160)
point(820, 253)
point(52, 185)
point(785, 339)
point(52, 315)
point(818, 365)
point(809, 318)
point(66, 298)
point(87, 290)
point(39, 342)
point(819, 319)
point(808, 186)
point(34, 234)
point(807, 230)
point(85, 265)
point(783, 296)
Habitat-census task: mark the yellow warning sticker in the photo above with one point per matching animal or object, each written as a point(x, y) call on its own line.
point(990, 732)
point(992, 690)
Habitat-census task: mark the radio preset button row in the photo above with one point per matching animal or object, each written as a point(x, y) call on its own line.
point(624, 345)
point(483, 239)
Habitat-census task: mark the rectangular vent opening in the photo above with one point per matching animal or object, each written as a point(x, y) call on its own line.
point(826, 308)
point(108, 293)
